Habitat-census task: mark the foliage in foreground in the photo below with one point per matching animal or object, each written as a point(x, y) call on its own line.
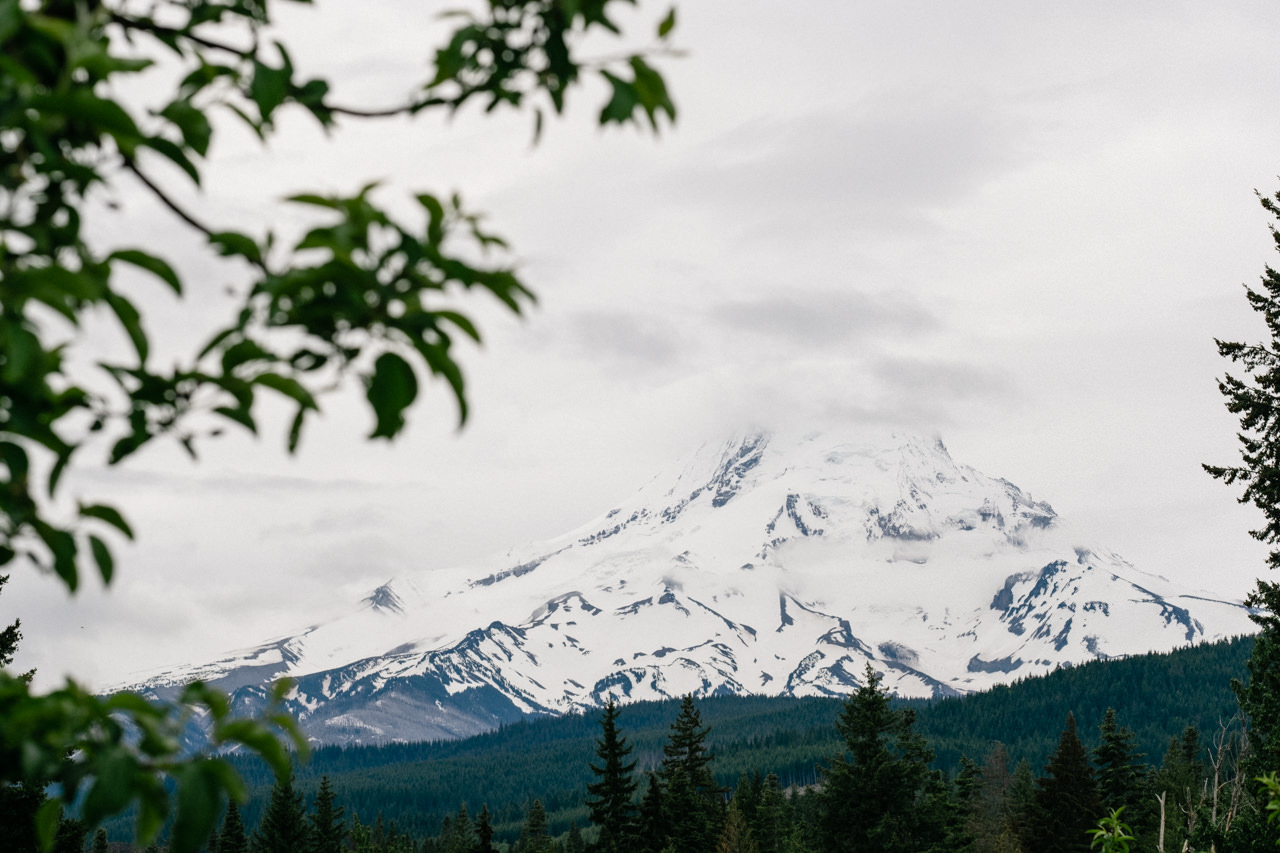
point(362, 294)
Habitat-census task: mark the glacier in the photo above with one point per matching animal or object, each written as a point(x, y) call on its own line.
point(770, 563)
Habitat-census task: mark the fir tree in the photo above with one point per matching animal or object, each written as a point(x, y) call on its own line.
point(1066, 798)
point(1121, 773)
point(70, 836)
point(747, 795)
point(534, 837)
point(573, 842)
point(18, 806)
point(484, 831)
point(100, 844)
point(1022, 811)
point(694, 803)
point(328, 829)
point(770, 825)
point(1178, 781)
point(9, 639)
point(652, 821)
point(871, 793)
point(736, 835)
point(283, 828)
point(686, 748)
point(1255, 400)
point(611, 795)
point(991, 811)
point(232, 838)
point(461, 837)
point(960, 810)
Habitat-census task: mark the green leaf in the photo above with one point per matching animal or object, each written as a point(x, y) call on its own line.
point(151, 264)
point(132, 323)
point(47, 817)
point(112, 785)
point(651, 89)
point(270, 86)
point(392, 388)
point(13, 457)
point(244, 351)
point(102, 556)
point(10, 19)
point(622, 103)
point(192, 123)
point(240, 415)
point(199, 801)
point(295, 429)
point(289, 387)
point(234, 244)
point(62, 545)
point(315, 201)
point(110, 515)
point(82, 105)
point(668, 24)
point(468, 328)
point(153, 809)
point(175, 154)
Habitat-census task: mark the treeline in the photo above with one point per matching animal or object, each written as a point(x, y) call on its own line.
point(418, 785)
point(775, 751)
point(878, 792)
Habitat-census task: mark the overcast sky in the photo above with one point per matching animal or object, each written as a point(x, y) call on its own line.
point(1020, 226)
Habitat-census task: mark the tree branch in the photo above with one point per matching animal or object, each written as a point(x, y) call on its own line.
point(149, 26)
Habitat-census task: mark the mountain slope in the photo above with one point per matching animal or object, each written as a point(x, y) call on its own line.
point(770, 564)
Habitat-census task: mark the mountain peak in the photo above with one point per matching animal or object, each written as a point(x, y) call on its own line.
point(384, 600)
point(770, 563)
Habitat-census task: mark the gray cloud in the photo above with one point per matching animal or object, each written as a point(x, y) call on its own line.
point(632, 340)
point(817, 319)
point(882, 165)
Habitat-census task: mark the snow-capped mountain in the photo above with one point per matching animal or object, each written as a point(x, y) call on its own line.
point(769, 564)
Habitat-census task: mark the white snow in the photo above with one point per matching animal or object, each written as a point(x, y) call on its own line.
point(770, 564)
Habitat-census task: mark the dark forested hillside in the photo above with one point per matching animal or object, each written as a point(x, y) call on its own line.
point(415, 786)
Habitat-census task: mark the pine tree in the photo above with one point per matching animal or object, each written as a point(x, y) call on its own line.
point(534, 837)
point(484, 831)
point(283, 828)
point(961, 809)
point(736, 835)
point(70, 836)
point(9, 639)
point(747, 795)
point(686, 748)
point(611, 795)
point(18, 806)
point(652, 831)
point(1067, 804)
point(328, 829)
point(1022, 811)
point(770, 825)
point(870, 794)
point(100, 844)
point(573, 842)
point(991, 813)
point(693, 800)
point(462, 833)
point(361, 837)
point(1254, 399)
point(232, 837)
point(1121, 773)
point(1178, 780)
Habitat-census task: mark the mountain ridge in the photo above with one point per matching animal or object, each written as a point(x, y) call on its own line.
point(775, 564)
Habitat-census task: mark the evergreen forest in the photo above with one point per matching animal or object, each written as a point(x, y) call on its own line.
point(1152, 743)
